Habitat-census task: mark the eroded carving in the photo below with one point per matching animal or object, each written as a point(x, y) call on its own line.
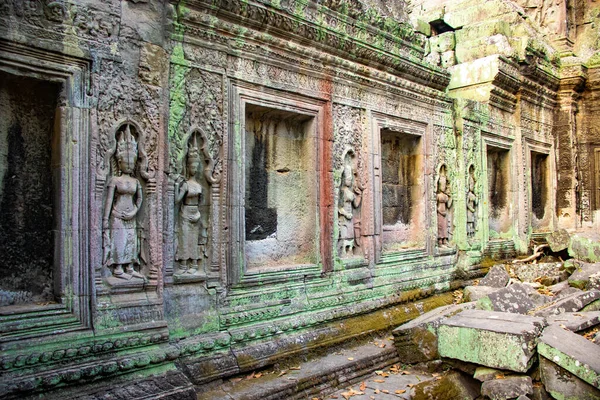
point(192, 234)
point(444, 203)
point(472, 203)
point(349, 209)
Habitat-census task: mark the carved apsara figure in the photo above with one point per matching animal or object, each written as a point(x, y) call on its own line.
point(123, 201)
point(350, 198)
point(191, 233)
point(471, 206)
point(444, 203)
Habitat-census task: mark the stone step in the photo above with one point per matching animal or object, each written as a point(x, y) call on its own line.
point(313, 378)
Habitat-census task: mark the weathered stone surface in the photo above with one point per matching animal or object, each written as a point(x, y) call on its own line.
point(572, 303)
point(559, 240)
point(496, 277)
point(474, 293)
point(594, 282)
point(483, 374)
point(580, 279)
point(575, 321)
point(512, 299)
point(561, 384)
point(452, 385)
point(545, 273)
point(507, 388)
point(489, 338)
point(571, 352)
point(416, 341)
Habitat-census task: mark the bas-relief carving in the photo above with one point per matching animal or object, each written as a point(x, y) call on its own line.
point(122, 233)
point(192, 193)
point(443, 207)
point(472, 204)
point(350, 196)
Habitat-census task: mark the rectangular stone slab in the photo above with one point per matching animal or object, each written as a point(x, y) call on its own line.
point(494, 339)
point(575, 321)
point(572, 352)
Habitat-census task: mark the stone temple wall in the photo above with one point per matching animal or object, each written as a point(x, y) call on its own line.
point(220, 184)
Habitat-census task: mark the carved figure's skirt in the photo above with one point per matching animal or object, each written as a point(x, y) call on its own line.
point(346, 229)
point(124, 246)
point(442, 223)
point(188, 234)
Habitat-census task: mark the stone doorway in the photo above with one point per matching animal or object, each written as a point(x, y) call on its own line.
point(29, 168)
point(498, 191)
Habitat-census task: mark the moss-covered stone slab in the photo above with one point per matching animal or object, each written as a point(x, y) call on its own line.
point(572, 352)
point(575, 302)
point(563, 385)
point(416, 341)
point(580, 278)
point(493, 339)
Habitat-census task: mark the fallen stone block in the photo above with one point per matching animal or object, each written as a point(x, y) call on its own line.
point(496, 277)
point(572, 352)
point(453, 385)
point(561, 384)
point(483, 374)
point(545, 273)
point(594, 282)
point(558, 240)
point(572, 303)
point(416, 341)
point(512, 299)
point(575, 321)
point(507, 388)
point(593, 306)
point(474, 293)
point(580, 279)
point(567, 292)
point(489, 338)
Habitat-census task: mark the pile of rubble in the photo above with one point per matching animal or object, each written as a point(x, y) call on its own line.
point(526, 331)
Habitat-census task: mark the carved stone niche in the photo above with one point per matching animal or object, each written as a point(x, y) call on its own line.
point(193, 196)
point(499, 177)
point(44, 131)
point(541, 202)
point(402, 201)
point(275, 183)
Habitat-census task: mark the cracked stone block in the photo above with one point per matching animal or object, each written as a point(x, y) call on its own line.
point(493, 339)
point(474, 293)
point(496, 277)
point(575, 321)
point(416, 341)
point(453, 385)
point(572, 352)
point(572, 303)
point(580, 279)
point(512, 299)
point(507, 388)
point(561, 384)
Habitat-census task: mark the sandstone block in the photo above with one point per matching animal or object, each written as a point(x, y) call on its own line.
point(575, 322)
point(474, 293)
point(512, 299)
point(572, 352)
point(453, 385)
point(416, 341)
point(561, 384)
point(559, 240)
point(580, 279)
point(489, 338)
point(572, 303)
point(496, 277)
point(507, 388)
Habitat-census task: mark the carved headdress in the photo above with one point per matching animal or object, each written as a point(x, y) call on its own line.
point(126, 143)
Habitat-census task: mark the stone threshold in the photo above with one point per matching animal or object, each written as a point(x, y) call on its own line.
point(314, 378)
